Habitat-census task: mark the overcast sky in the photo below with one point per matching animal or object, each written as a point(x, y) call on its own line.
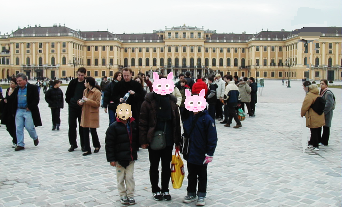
point(139, 16)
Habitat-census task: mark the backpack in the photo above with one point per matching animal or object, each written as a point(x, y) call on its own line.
point(319, 105)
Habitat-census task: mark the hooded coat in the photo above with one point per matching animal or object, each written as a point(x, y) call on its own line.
point(245, 92)
point(313, 120)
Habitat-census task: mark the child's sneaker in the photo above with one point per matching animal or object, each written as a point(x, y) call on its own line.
point(200, 201)
point(124, 200)
point(157, 196)
point(189, 199)
point(131, 201)
point(167, 196)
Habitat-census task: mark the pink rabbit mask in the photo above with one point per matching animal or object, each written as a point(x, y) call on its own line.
point(163, 86)
point(195, 103)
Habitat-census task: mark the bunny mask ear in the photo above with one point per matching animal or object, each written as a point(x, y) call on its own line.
point(155, 76)
point(187, 92)
point(202, 93)
point(170, 76)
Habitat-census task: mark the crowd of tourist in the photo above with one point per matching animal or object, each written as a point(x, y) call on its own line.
point(138, 108)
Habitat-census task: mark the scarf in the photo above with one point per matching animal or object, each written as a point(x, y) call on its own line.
point(323, 91)
point(163, 105)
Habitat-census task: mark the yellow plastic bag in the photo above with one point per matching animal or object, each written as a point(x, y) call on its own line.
point(177, 170)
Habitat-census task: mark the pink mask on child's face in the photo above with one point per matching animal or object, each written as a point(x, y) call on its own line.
point(195, 103)
point(163, 86)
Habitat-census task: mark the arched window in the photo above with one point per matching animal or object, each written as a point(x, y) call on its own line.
point(132, 62)
point(63, 60)
point(184, 62)
point(147, 62)
point(228, 61)
point(316, 62)
point(192, 63)
point(161, 61)
point(125, 62)
point(28, 61)
point(214, 62)
point(235, 62)
point(177, 62)
point(154, 61)
point(169, 62)
point(53, 61)
point(243, 63)
point(17, 62)
point(140, 61)
point(221, 62)
point(199, 62)
point(305, 61)
point(40, 61)
point(329, 62)
point(206, 62)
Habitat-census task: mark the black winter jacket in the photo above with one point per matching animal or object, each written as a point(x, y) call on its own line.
point(212, 89)
point(120, 146)
point(71, 90)
point(54, 97)
point(108, 96)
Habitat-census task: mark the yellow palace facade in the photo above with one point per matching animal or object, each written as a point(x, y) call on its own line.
point(57, 52)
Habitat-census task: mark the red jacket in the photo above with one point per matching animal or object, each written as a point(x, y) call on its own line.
point(198, 86)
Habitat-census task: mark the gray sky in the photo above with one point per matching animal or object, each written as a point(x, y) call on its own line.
point(139, 16)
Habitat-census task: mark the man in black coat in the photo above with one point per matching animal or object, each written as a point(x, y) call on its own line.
point(72, 95)
point(25, 101)
point(135, 90)
point(254, 90)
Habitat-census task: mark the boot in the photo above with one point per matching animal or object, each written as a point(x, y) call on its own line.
point(53, 127)
point(57, 127)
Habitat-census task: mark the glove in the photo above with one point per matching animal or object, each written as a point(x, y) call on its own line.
point(208, 159)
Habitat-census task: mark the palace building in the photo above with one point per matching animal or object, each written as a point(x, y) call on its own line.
point(57, 52)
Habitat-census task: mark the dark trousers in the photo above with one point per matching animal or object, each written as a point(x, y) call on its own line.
point(197, 172)
point(95, 138)
point(12, 131)
point(226, 113)
point(252, 112)
point(74, 116)
point(218, 109)
point(211, 110)
point(111, 114)
point(232, 114)
point(165, 155)
point(325, 136)
point(55, 113)
point(315, 136)
point(248, 104)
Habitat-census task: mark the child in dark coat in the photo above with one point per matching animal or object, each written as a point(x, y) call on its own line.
point(54, 97)
point(121, 151)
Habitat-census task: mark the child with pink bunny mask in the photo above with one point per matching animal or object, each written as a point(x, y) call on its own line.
point(200, 130)
point(159, 112)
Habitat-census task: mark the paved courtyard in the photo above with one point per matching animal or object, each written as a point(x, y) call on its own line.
point(261, 164)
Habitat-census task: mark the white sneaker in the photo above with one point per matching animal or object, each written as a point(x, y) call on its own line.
point(315, 149)
point(189, 199)
point(310, 146)
point(200, 201)
point(14, 145)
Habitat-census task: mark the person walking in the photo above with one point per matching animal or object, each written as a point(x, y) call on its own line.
point(211, 97)
point(25, 101)
point(314, 121)
point(104, 83)
point(73, 93)
point(54, 97)
point(254, 90)
point(108, 98)
point(329, 98)
point(245, 94)
point(221, 85)
point(90, 119)
point(8, 118)
point(121, 151)
point(159, 112)
point(231, 100)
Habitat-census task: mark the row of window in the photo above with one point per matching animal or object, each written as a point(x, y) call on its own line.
point(40, 61)
point(40, 45)
point(111, 48)
point(199, 35)
point(317, 62)
point(39, 51)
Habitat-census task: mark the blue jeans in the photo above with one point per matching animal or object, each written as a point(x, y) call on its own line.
point(23, 119)
point(112, 117)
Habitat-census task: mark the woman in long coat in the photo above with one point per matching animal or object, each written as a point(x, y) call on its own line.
point(314, 121)
point(90, 114)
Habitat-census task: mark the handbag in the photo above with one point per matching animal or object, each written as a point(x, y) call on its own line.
point(241, 114)
point(177, 170)
point(158, 141)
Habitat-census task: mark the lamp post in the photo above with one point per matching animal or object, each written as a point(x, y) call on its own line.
point(109, 67)
point(288, 62)
point(74, 63)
